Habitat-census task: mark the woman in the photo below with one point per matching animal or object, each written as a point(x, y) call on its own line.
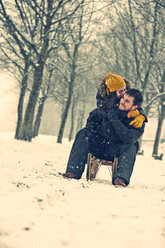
point(110, 90)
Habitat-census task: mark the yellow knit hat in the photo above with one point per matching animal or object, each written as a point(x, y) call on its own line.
point(113, 82)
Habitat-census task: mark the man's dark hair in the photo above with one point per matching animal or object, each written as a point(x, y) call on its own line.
point(137, 95)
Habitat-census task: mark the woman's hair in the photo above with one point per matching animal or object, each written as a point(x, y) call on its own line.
point(102, 88)
point(109, 101)
point(128, 84)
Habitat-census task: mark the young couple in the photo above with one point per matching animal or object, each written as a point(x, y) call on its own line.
point(112, 130)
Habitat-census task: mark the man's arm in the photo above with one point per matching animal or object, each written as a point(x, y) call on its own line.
point(127, 134)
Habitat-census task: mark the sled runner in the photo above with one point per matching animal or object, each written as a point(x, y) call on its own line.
point(93, 165)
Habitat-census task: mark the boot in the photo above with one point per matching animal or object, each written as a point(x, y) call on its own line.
point(119, 182)
point(70, 175)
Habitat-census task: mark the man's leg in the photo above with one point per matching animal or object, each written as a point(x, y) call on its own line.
point(126, 161)
point(78, 155)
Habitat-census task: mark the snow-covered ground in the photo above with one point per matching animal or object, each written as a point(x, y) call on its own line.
point(39, 209)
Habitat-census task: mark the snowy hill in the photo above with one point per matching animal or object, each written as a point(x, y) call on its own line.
point(39, 209)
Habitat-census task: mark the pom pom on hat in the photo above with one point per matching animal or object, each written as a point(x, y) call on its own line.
point(114, 82)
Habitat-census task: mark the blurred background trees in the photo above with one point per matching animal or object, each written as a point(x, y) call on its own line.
point(59, 50)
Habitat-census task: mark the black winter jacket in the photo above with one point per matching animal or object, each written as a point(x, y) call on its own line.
point(114, 126)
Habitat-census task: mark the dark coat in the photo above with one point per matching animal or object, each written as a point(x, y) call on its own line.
point(107, 135)
point(113, 126)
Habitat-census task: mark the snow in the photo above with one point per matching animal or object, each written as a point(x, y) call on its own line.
point(40, 209)
point(8, 102)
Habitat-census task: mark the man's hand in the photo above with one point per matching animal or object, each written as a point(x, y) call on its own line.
point(133, 113)
point(138, 121)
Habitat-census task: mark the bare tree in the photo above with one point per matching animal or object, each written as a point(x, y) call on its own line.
point(78, 35)
point(72, 118)
point(16, 60)
point(134, 43)
point(37, 29)
point(161, 115)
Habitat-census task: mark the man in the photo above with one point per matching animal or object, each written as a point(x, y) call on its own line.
point(108, 134)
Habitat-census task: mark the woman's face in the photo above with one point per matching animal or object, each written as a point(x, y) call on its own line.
point(120, 93)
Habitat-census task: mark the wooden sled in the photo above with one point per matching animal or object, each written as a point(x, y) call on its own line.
point(93, 166)
point(159, 157)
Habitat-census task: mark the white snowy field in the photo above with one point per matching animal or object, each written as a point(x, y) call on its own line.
point(39, 209)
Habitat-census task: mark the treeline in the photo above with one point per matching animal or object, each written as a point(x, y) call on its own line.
point(59, 50)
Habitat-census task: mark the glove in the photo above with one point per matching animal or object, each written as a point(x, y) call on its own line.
point(138, 121)
point(133, 113)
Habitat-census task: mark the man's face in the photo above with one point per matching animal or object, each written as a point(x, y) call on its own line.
point(126, 103)
point(120, 93)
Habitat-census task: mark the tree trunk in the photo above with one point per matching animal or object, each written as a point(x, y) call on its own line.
point(80, 118)
point(65, 114)
point(161, 110)
point(72, 121)
point(68, 102)
point(27, 130)
point(38, 117)
point(157, 138)
point(21, 103)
